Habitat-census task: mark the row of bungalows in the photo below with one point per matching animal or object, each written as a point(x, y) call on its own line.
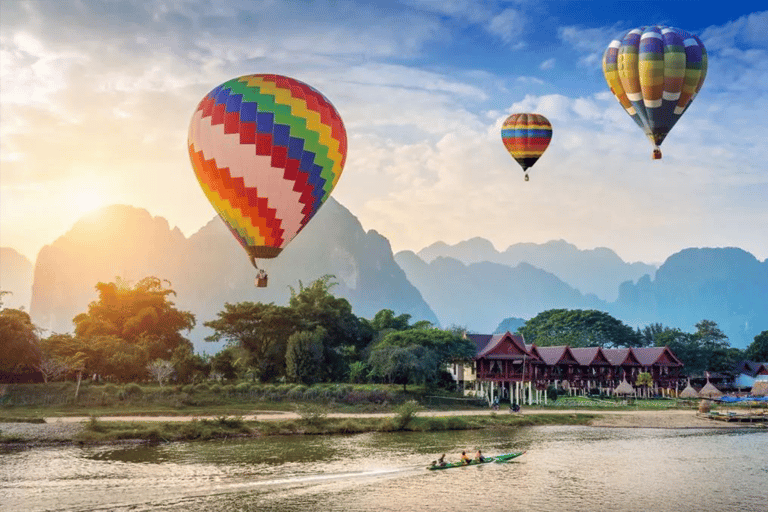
point(507, 368)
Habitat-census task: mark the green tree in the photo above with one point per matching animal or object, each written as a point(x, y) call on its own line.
point(187, 364)
point(758, 349)
point(417, 355)
point(140, 314)
point(650, 333)
point(386, 320)
point(19, 342)
point(346, 335)
point(261, 329)
point(579, 328)
point(305, 356)
point(226, 363)
point(717, 351)
point(401, 365)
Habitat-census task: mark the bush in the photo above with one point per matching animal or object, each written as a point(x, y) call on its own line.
point(312, 414)
point(552, 393)
point(297, 392)
point(110, 389)
point(133, 390)
point(405, 414)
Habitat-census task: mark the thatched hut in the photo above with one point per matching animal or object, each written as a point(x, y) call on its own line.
point(760, 388)
point(624, 389)
point(710, 391)
point(689, 392)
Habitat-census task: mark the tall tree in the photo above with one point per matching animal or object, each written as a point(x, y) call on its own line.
point(140, 314)
point(717, 350)
point(262, 329)
point(758, 350)
point(579, 328)
point(19, 342)
point(417, 355)
point(650, 333)
point(305, 356)
point(346, 335)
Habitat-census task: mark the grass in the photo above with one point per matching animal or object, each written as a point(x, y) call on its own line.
point(97, 431)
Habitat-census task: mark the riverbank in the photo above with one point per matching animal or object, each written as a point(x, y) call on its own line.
point(92, 430)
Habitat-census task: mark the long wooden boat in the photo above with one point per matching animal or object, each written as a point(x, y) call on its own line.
point(498, 458)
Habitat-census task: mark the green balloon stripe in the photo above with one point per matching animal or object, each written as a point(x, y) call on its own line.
point(297, 125)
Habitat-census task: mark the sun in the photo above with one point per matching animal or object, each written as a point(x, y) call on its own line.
point(86, 200)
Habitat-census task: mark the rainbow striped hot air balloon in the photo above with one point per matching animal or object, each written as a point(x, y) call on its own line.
point(526, 137)
point(655, 72)
point(267, 151)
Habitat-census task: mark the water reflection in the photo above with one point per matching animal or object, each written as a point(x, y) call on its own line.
point(566, 468)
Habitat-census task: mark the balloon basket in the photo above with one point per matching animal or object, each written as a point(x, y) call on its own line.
point(261, 282)
point(526, 177)
point(656, 154)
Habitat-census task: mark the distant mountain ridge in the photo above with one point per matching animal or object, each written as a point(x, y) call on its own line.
point(599, 271)
point(210, 268)
point(15, 277)
point(726, 285)
point(479, 295)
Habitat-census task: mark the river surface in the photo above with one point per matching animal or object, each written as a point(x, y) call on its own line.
point(564, 469)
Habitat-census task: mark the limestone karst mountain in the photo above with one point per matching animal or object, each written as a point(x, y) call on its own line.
point(209, 268)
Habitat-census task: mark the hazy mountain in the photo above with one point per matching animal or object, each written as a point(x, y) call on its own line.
point(15, 277)
point(599, 271)
point(511, 324)
point(477, 296)
point(727, 285)
point(210, 268)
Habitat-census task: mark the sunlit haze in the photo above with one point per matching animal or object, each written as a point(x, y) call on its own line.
point(97, 98)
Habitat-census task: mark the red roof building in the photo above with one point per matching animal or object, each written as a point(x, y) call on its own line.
point(507, 367)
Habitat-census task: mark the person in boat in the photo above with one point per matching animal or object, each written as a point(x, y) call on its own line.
point(479, 456)
point(441, 461)
point(465, 458)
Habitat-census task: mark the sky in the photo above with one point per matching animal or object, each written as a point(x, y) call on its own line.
point(96, 98)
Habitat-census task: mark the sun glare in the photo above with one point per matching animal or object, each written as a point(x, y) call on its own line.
point(85, 200)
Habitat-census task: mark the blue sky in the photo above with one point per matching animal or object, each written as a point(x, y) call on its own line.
point(97, 97)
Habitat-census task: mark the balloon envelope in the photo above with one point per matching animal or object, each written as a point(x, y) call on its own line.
point(526, 137)
point(655, 72)
point(267, 151)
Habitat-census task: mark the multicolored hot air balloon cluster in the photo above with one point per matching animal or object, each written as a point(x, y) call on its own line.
point(526, 137)
point(655, 72)
point(267, 151)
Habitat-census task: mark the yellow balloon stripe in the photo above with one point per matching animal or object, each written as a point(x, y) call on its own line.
point(299, 109)
point(234, 217)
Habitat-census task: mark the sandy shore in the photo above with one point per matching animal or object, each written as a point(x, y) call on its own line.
point(65, 428)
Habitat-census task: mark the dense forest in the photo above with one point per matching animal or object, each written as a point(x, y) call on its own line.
point(134, 333)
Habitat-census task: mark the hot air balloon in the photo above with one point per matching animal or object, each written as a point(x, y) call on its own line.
point(655, 72)
point(526, 137)
point(267, 151)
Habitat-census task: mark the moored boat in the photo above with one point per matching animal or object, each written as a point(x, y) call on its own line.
point(498, 458)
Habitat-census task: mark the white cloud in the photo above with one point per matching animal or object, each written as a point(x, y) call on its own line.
point(509, 25)
point(111, 93)
point(751, 30)
point(590, 43)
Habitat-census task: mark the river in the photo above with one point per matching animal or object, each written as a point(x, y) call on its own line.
point(565, 468)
